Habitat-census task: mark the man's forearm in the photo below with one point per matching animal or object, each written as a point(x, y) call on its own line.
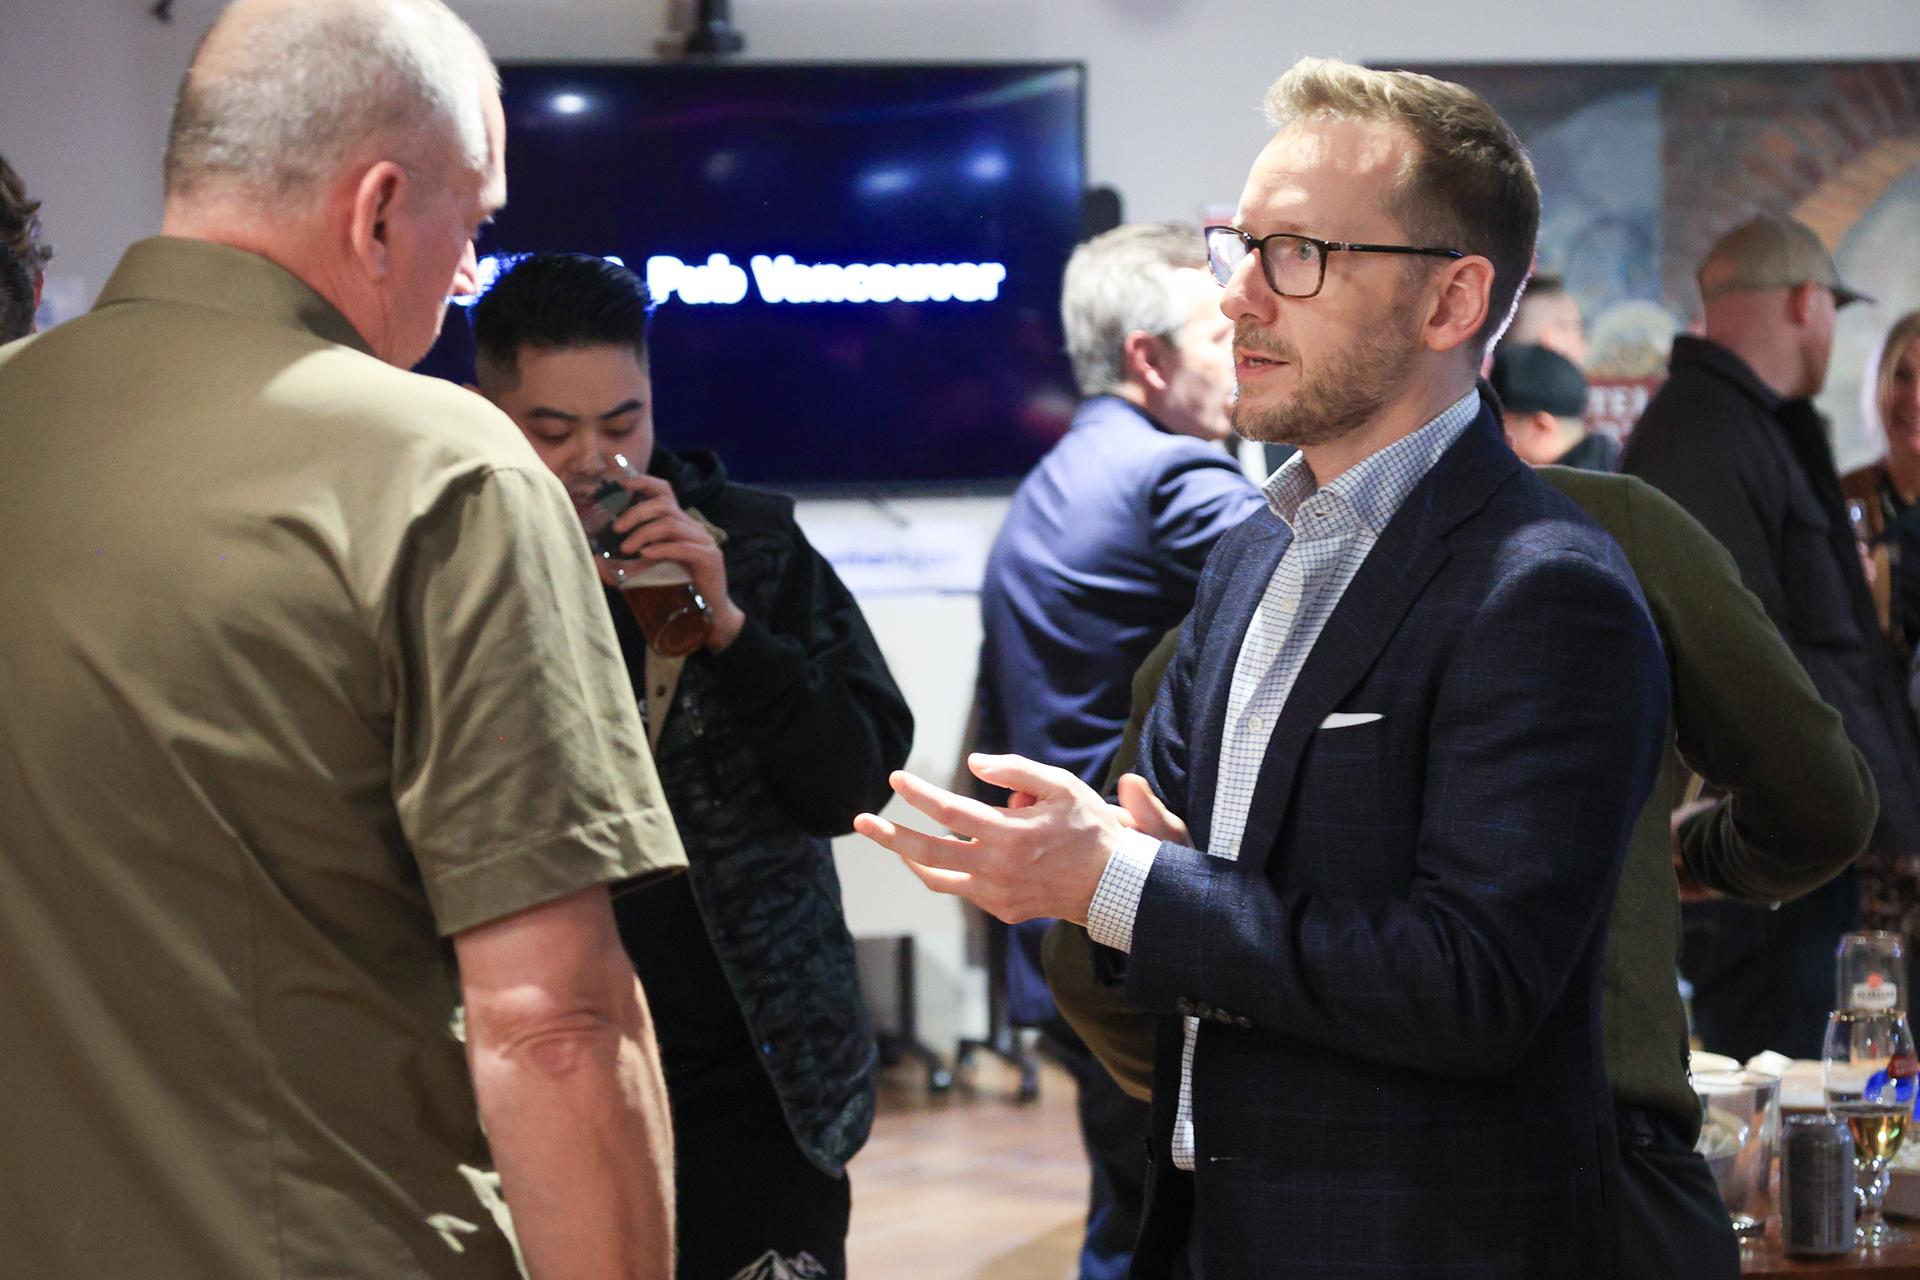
point(576, 1112)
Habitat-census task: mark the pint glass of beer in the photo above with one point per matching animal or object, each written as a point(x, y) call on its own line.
point(672, 615)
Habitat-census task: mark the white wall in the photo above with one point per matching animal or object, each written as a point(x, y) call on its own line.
point(85, 91)
point(1175, 85)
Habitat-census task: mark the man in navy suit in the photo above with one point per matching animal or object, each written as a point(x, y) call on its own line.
point(1099, 556)
point(1104, 540)
point(1414, 711)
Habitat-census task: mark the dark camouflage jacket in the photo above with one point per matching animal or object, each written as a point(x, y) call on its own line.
point(766, 751)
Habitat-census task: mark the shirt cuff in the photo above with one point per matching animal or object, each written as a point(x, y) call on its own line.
point(1116, 900)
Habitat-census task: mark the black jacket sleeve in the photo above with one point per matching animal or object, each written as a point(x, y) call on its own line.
point(1708, 465)
point(807, 682)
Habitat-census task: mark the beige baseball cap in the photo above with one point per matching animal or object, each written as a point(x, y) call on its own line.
point(1771, 253)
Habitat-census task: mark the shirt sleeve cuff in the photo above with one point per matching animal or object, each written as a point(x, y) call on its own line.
point(1116, 900)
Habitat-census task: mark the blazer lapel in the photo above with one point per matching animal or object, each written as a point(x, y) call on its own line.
point(1410, 551)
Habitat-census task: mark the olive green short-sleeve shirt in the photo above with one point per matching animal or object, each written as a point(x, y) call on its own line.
point(303, 669)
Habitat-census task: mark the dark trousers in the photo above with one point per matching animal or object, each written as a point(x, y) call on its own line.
point(744, 1189)
point(1763, 979)
point(1672, 1223)
point(1114, 1128)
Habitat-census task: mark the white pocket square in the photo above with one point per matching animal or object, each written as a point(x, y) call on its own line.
point(1344, 719)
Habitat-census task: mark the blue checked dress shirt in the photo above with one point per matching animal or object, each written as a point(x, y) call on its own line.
point(1330, 530)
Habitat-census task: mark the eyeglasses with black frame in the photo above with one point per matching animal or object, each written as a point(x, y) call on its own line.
point(1295, 266)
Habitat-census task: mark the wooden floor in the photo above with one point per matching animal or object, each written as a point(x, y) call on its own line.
point(970, 1186)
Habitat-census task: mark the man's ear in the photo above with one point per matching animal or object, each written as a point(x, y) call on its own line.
point(376, 197)
point(1460, 305)
point(1145, 357)
point(1801, 303)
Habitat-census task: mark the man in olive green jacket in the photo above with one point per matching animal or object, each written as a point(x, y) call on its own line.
point(1799, 807)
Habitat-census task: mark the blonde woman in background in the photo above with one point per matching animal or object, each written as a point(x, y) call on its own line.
point(1883, 500)
point(1884, 497)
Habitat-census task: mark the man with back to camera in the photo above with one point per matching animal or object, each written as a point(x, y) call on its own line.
point(769, 739)
point(1543, 404)
point(309, 691)
point(1098, 556)
point(1413, 713)
point(1732, 438)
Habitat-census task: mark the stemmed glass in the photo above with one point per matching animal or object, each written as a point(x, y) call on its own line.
point(1869, 1072)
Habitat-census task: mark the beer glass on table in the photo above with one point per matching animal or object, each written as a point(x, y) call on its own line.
point(1739, 1126)
point(1869, 1072)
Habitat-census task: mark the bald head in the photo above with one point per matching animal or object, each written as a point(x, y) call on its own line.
point(283, 95)
point(359, 144)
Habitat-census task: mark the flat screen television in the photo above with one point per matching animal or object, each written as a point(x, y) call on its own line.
point(856, 267)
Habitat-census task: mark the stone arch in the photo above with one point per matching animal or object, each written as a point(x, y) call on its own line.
point(1823, 148)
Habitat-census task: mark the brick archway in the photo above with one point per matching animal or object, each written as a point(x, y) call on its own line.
point(1821, 144)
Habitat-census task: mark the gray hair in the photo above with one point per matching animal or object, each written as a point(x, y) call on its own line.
point(1122, 282)
point(282, 102)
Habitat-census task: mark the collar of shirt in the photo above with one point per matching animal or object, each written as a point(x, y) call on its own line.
point(200, 273)
point(1371, 490)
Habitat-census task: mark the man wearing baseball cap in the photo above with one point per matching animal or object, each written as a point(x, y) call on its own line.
point(1732, 436)
point(1543, 400)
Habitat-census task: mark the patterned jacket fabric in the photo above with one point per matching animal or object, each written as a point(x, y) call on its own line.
point(767, 750)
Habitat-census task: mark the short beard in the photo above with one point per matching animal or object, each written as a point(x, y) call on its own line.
point(1349, 391)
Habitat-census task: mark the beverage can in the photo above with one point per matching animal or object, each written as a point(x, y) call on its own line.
point(1817, 1202)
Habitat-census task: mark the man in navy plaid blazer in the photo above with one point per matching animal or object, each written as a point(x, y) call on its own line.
point(1391, 773)
point(1394, 984)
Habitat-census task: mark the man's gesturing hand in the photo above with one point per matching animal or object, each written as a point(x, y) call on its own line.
point(1043, 855)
